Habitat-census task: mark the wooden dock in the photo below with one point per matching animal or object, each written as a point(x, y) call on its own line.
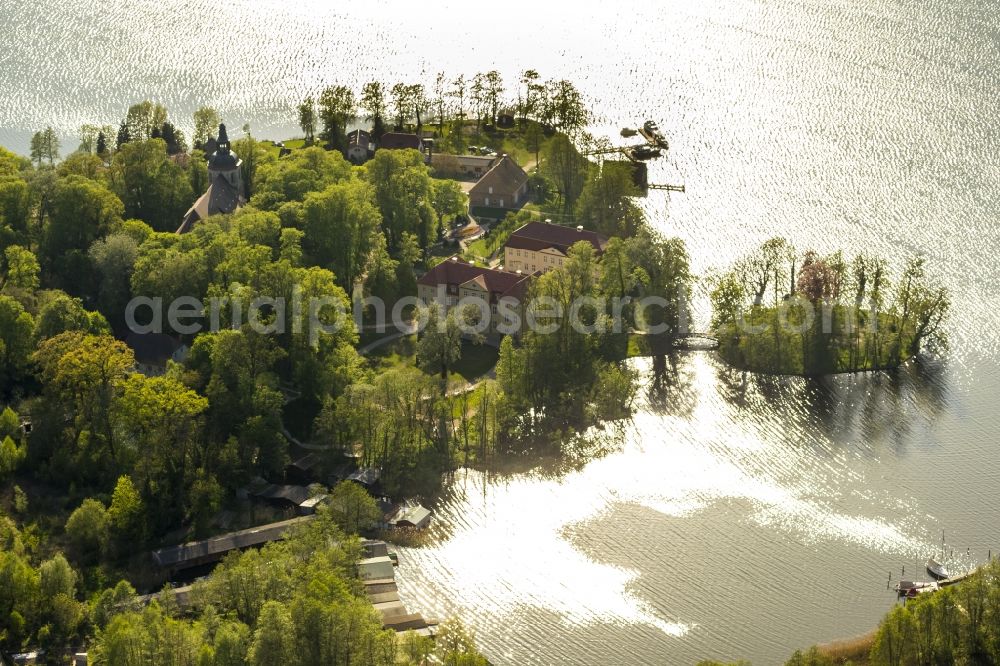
point(384, 595)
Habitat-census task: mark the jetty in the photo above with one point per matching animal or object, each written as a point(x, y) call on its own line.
point(377, 573)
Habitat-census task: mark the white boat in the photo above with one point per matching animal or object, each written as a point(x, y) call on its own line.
point(937, 569)
point(907, 588)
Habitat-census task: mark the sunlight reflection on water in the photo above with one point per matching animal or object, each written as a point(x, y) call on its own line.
point(740, 518)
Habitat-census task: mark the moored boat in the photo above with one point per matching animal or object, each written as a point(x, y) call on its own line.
point(912, 588)
point(644, 153)
point(937, 569)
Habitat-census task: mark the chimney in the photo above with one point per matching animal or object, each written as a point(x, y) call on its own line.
point(579, 227)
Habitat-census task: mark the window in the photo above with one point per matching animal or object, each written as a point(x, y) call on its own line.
point(491, 189)
point(501, 203)
point(486, 200)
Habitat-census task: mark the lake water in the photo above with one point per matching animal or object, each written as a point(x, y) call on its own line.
point(737, 517)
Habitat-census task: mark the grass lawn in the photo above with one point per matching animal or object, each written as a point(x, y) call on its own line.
point(478, 249)
point(272, 148)
point(396, 354)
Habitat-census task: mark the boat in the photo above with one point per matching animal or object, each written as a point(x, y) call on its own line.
point(937, 569)
point(644, 153)
point(628, 132)
point(912, 588)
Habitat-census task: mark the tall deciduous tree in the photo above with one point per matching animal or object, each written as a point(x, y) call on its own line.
point(338, 224)
point(440, 345)
point(374, 105)
point(143, 119)
point(16, 329)
point(566, 168)
point(402, 103)
point(87, 529)
point(352, 508)
point(493, 90)
point(153, 188)
point(20, 269)
point(273, 640)
point(459, 89)
point(402, 193)
point(606, 202)
point(307, 118)
point(336, 107)
point(45, 146)
point(206, 121)
point(440, 92)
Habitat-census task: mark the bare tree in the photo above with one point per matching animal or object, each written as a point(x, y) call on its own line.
point(458, 92)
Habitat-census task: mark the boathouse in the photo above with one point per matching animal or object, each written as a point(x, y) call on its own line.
point(196, 553)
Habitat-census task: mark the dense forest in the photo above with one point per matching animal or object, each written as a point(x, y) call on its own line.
point(295, 602)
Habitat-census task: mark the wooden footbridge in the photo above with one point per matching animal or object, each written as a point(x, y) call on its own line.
point(689, 341)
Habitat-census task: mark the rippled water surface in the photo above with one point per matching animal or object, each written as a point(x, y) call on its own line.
point(737, 518)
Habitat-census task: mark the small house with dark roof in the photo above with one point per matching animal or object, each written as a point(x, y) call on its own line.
point(304, 469)
point(501, 292)
point(504, 186)
point(301, 499)
point(366, 476)
point(400, 141)
point(225, 185)
point(540, 247)
point(153, 350)
point(359, 146)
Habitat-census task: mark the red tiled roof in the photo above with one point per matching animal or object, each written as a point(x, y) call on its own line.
point(505, 177)
point(454, 271)
point(539, 235)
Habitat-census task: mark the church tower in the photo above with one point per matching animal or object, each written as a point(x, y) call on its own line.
point(224, 162)
point(225, 185)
